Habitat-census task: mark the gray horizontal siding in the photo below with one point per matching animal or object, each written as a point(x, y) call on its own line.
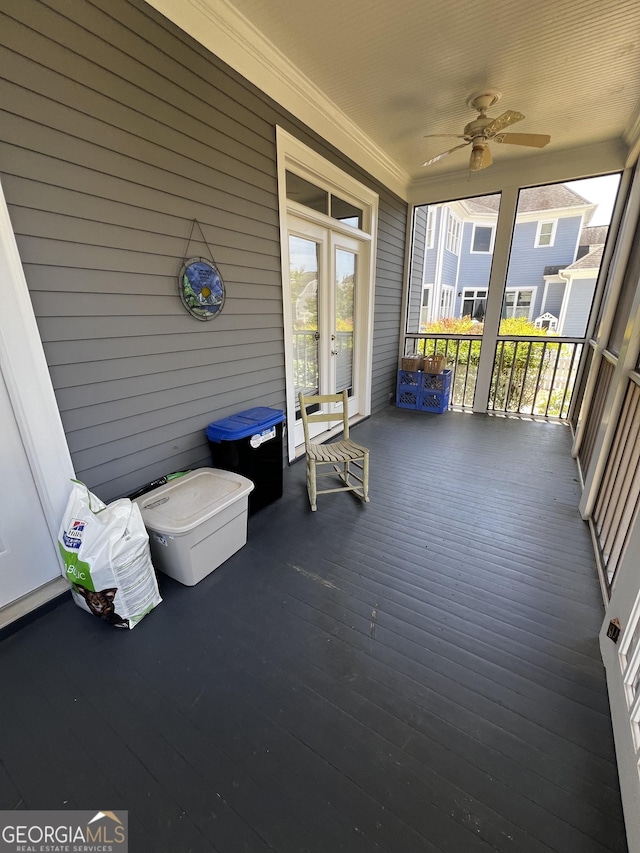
point(117, 132)
point(416, 269)
point(432, 253)
point(579, 307)
point(527, 261)
point(475, 268)
point(553, 302)
point(449, 267)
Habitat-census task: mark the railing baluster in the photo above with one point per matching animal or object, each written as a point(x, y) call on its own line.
point(497, 371)
point(510, 387)
point(553, 377)
point(453, 371)
point(568, 381)
point(524, 376)
point(454, 378)
point(538, 377)
point(501, 403)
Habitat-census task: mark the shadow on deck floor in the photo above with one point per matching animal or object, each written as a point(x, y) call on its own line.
point(417, 674)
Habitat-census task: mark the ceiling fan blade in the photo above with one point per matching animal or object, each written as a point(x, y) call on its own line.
point(480, 159)
point(535, 140)
point(502, 121)
point(451, 135)
point(444, 154)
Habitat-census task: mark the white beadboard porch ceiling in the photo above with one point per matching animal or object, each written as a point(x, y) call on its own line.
point(395, 70)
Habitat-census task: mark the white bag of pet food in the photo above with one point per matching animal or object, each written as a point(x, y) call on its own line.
point(105, 549)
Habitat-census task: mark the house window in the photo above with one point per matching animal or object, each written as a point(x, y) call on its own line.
point(430, 235)
point(482, 239)
point(453, 234)
point(517, 303)
point(424, 309)
point(546, 233)
point(446, 300)
point(474, 304)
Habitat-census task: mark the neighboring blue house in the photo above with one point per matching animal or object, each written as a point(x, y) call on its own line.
point(553, 269)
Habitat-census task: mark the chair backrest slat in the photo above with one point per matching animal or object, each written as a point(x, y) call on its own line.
point(326, 417)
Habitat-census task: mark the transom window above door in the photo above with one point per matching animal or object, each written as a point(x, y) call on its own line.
point(304, 192)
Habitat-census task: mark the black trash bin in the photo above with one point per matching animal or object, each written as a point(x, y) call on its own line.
point(250, 443)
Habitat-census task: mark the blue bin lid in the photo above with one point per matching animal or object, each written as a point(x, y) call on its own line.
point(244, 424)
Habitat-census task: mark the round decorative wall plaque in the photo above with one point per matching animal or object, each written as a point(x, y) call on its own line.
point(201, 288)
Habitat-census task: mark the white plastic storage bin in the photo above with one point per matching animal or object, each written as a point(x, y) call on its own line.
point(196, 522)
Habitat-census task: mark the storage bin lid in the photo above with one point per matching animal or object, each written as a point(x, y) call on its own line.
point(183, 504)
point(244, 424)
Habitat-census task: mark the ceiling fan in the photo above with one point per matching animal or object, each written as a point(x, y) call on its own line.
point(484, 129)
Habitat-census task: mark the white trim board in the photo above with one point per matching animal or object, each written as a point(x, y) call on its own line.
point(29, 385)
point(28, 603)
point(295, 156)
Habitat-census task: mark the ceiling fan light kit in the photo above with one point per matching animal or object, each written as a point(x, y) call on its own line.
point(480, 157)
point(484, 129)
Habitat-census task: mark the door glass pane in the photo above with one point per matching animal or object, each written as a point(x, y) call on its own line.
point(304, 267)
point(345, 311)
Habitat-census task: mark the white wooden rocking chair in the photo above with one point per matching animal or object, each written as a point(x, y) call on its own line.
point(349, 461)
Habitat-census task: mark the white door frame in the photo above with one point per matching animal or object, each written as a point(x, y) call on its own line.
point(294, 156)
point(329, 242)
point(26, 374)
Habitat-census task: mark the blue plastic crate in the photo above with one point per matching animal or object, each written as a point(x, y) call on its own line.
point(409, 379)
point(436, 381)
point(408, 389)
point(433, 401)
point(407, 398)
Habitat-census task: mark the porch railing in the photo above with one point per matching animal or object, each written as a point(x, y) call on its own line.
point(595, 413)
point(531, 376)
point(618, 501)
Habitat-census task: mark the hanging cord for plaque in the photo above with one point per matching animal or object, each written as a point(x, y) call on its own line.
point(200, 284)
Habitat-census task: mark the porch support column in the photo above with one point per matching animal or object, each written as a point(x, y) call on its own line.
point(497, 279)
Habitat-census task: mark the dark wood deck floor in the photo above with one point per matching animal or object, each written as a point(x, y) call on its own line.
point(418, 674)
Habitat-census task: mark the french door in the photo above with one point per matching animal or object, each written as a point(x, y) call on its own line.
point(327, 269)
